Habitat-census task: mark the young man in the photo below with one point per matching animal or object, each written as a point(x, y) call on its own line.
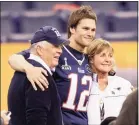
point(72, 75)
point(29, 107)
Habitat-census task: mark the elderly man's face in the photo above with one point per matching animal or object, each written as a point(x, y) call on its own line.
point(50, 54)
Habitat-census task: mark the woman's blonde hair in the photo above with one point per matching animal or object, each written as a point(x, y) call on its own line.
point(97, 46)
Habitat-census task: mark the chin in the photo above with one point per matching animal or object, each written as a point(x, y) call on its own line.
point(105, 71)
point(85, 42)
point(55, 64)
point(86, 45)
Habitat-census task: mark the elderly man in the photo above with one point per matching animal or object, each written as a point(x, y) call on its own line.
point(30, 107)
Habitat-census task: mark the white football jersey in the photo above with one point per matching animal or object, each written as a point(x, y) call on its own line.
point(103, 104)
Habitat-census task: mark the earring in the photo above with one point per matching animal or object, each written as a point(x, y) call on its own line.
point(91, 62)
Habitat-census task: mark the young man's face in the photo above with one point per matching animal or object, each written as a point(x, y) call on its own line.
point(85, 32)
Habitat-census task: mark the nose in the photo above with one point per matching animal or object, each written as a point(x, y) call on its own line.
point(91, 33)
point(107, 59)
point(59, 50)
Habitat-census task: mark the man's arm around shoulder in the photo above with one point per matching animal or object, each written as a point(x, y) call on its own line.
point(18, 63)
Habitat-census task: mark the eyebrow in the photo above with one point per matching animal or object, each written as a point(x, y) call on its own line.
point(89, 27)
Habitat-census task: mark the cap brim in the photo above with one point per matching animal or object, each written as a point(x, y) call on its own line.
point(62, 41)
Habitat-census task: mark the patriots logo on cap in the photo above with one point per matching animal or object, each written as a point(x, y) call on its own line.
point(56, 31)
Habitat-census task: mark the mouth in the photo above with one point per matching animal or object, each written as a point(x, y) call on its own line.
point(88, 38)
point(106, 64)
point(56, 57)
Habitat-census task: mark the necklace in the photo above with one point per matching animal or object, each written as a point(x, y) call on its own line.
point(78, 61)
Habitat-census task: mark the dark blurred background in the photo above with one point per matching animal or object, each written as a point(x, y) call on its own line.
point(117, 23)
point(20, 19)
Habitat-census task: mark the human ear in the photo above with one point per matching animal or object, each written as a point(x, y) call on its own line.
point(39, 50)
point(91, 61)
point(72, 30)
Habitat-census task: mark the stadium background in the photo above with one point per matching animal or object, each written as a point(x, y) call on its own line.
point(117, 22)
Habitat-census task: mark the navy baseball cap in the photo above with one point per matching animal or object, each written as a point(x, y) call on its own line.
point(49, 34)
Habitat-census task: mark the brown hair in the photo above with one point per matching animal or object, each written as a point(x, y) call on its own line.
point(79, 14)
point(96, 47)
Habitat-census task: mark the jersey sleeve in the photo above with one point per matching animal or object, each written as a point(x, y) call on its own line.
point(25, 53)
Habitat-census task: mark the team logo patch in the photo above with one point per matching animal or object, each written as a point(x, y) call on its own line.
point(80, 70)
point(66, 66)
point(116, 90)
point(88, 68)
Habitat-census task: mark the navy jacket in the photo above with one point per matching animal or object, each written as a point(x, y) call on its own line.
point(30, 107)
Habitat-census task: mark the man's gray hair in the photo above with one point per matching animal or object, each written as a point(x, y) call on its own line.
point(41, 43)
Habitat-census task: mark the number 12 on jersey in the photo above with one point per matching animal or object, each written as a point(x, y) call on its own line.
point(70, 102)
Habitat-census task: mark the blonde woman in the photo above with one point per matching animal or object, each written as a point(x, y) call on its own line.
point(107, 93)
